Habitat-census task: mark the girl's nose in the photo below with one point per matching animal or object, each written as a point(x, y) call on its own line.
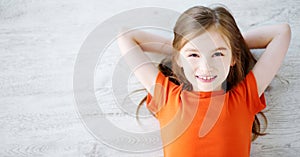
point(205, 66)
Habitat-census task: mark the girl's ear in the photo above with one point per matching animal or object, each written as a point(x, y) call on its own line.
point(178, 61)
point(232, 62)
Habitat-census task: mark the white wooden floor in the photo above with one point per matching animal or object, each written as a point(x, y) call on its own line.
point(39, 43)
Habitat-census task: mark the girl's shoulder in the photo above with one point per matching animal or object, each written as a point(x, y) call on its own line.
point(246, 91)
point(249, 81)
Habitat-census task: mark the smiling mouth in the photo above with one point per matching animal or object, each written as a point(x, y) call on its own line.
point(206, 79)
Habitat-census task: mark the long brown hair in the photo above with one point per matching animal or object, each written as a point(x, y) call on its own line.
point(191, 24)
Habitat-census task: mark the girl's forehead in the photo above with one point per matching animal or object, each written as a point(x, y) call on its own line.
point(207, 41)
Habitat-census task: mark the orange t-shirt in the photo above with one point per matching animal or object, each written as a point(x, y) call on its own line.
point(208, 124)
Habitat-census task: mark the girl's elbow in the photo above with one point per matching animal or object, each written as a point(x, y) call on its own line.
point(286, 29)
point(284, 34)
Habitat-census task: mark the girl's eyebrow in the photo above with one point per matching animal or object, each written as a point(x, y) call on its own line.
point(191, 50)
point(196, 50)
point(219, 48)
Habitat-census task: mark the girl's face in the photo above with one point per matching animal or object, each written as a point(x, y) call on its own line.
point(206, 61)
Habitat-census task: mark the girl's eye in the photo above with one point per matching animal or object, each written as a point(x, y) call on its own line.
point(193, 55)
point(217, 54)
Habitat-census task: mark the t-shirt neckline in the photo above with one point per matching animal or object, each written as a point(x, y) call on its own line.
point(207, 94)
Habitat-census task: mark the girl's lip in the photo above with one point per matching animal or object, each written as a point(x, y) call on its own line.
point(206, 79)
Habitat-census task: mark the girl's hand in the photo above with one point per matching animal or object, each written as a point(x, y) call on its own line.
point(275, 39)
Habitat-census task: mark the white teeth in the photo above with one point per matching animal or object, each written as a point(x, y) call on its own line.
point(206, 77)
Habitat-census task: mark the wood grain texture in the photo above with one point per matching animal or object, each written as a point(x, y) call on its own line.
point(39, 43)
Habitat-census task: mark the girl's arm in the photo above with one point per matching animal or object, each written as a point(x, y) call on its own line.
point(275, 39)
point(132, 44)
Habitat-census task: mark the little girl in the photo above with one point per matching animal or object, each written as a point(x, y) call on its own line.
point(207, 91)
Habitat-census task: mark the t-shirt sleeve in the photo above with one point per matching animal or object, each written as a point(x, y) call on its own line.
point(254, 103)
point(162, 89)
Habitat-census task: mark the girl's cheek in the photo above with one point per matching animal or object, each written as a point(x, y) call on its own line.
point(188, 61)
point(193, 63)
point(222, 62)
